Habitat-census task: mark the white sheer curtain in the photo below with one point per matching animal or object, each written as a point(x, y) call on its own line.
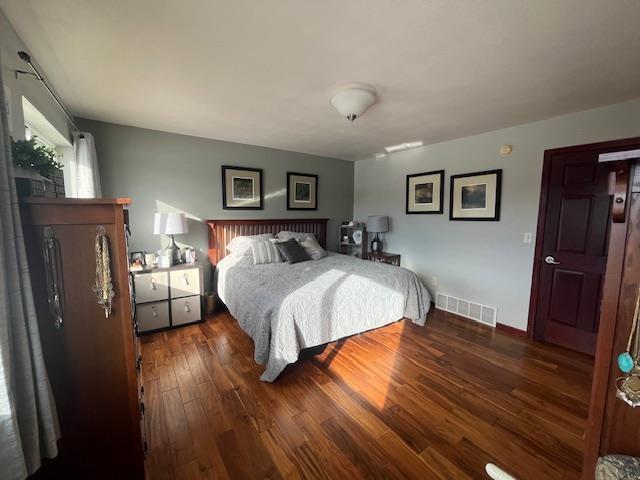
point(82, 179)
point(28, 421)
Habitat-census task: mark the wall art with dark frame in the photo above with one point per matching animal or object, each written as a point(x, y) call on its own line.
point(242, 188)
point(476, 196)
point(425, 193)
point(302, 191)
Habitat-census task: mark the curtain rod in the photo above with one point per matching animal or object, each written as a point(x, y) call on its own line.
point(26, 58)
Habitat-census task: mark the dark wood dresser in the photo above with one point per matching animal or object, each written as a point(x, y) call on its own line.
point(93, 361)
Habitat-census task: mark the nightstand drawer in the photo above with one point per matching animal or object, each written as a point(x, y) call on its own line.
point(150, 287)
point(151, 316)
point(185, 282)
point(185, 310)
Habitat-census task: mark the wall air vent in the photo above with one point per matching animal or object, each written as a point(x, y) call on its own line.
point(475, 311)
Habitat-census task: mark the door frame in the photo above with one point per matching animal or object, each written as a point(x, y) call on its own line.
point(542, 214)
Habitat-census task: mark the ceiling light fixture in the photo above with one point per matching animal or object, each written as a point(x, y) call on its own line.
point(404, 146)
point(352, 100)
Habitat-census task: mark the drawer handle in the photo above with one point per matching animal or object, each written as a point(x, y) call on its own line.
point(187, 307)
point(186, 279)
point(155, 311)
point(153, 283)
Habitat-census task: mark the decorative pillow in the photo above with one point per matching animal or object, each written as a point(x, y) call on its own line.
point(265, 251)
point(314, 249)
point(242, 245)
point(292, 251)
point(300, 236)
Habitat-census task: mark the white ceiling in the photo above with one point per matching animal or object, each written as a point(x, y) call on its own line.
point(260, 72)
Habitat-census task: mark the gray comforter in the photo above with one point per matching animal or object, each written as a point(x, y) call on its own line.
point(286, 308)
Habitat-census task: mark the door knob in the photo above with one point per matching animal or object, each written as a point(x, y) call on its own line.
point(550, 260)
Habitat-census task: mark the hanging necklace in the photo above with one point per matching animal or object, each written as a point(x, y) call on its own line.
point(629, 385)
point(103, 287)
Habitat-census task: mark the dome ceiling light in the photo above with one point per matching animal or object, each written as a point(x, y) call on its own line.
point(352, 100)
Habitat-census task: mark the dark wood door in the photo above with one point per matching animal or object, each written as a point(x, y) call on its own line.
point(571, 255)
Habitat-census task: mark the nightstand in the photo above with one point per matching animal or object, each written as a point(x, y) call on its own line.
point(383, 257)
point(168, 297)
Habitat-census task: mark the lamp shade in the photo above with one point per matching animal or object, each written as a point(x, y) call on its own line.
point(170, 223)
point(378, 224)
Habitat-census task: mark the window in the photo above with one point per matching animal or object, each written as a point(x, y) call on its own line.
point(32, 133)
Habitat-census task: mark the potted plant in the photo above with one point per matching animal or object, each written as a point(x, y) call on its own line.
point(38, 170)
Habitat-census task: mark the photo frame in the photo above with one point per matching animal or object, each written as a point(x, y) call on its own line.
point(425, 193)
point(137, 256)
point(242, 188)
point(302, 191)
point(476, 196)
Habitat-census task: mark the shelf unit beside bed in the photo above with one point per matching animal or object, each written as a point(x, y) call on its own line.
point(351, 247)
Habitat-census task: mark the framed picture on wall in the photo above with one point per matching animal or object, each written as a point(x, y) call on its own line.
point(302, 191)
point(476, 196)
point(424, 192)
point(242, 188)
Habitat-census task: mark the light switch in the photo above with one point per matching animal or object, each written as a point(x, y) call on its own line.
point(528, 237)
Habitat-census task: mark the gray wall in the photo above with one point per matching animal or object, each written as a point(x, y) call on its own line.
point(486, 262)
point(168, 172)
point(25, 85)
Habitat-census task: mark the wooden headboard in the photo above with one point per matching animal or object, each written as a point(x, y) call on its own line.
point(221, 232)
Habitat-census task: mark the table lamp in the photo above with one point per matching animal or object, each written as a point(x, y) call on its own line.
point(377, 224)
point(171, 224)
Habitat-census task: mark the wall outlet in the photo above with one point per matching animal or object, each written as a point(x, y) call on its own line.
point(434, 281)
point(528, 237)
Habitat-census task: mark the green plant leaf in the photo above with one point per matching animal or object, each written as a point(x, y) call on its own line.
point(31, 154)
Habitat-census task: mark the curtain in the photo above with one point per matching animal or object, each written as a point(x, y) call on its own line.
point(83, 178)
point(28, 421)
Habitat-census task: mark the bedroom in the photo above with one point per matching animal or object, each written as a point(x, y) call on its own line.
point(469, 168)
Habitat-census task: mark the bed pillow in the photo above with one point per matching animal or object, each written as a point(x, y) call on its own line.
point(242, 245)
point(265, 251)
point(300, 236)
point(314, 249)
point(292, 251)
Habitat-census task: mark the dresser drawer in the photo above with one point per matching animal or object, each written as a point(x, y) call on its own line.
point(185, 282)
point(152, 316)
point(185, 310)
point(150, 287)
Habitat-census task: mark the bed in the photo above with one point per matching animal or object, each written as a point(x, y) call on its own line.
point(287, 308)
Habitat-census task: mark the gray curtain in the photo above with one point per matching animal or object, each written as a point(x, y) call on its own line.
point(28, 421)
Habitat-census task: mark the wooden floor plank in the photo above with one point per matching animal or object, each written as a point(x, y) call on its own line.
point(156, 424)
point(206, 452)
point(177, 428)
point(402, 401)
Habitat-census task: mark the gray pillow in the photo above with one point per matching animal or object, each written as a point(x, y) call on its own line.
point(265, 251)
point(313, 248)
point(292, 251)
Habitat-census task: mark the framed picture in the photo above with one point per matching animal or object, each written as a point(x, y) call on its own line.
point(425, 192)
point(242, 188)
point(137, 257)
point(476, 196)
point(302, 191)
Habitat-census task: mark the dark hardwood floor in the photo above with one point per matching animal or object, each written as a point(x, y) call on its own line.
point(402, 401)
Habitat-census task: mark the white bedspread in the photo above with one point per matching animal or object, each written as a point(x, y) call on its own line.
point(286, 308)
